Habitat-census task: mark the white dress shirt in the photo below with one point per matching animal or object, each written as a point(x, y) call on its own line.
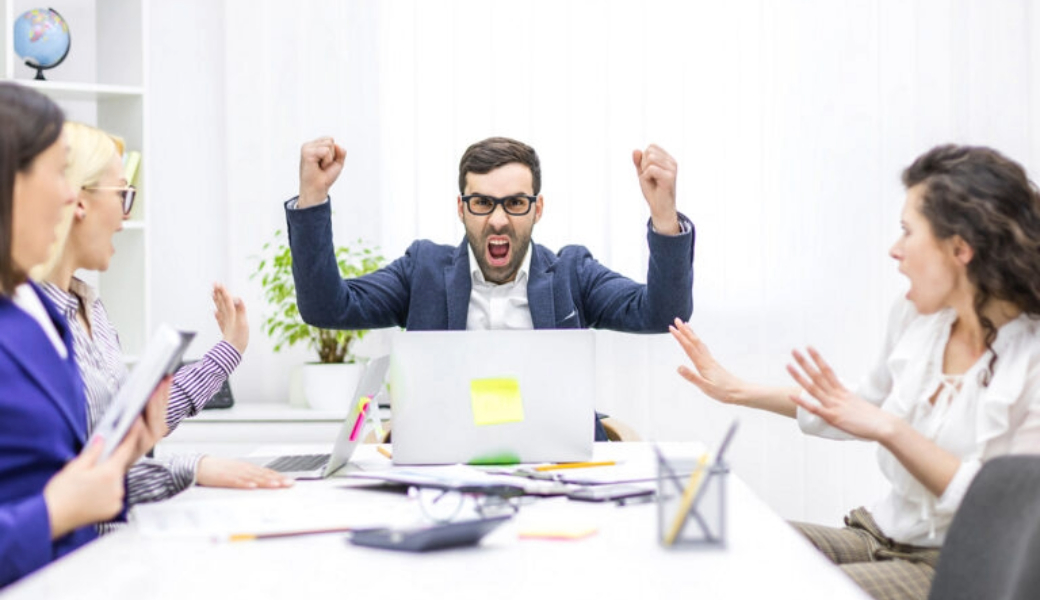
point(499, 306)
point(970, 420)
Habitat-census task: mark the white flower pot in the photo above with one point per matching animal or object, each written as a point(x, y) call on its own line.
point(329, 386)
point(296, 398)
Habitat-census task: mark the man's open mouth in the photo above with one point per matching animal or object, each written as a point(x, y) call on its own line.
point(498, 252)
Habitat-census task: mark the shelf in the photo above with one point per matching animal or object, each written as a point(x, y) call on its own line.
point(102, 83)
point(60, 90)
point(267, 413)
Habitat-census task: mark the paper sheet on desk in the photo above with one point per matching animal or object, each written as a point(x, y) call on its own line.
point(262, 512)
point(631, 467)
point(620, 473)
point(461, 477)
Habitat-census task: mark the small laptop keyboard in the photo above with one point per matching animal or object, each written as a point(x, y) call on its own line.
point(303, 462)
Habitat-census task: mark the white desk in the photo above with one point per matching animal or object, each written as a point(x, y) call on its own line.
point(765, 558)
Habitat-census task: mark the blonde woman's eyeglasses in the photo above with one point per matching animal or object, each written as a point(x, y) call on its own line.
point(126, 192)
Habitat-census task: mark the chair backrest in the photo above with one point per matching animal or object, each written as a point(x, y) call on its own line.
point(619, 431)
point(993, 545)
point(1027, 580)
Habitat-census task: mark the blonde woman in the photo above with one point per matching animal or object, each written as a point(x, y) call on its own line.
point(103, 202)
point(52, 487)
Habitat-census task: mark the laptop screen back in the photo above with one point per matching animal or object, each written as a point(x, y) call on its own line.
point(492, 397)
point(350, 433)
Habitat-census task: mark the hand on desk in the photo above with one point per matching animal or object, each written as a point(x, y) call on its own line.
point(228, 473)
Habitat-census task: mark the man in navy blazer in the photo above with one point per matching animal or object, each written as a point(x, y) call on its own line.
point(496, 278)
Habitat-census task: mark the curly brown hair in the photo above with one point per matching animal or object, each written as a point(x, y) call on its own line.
point(985, 198)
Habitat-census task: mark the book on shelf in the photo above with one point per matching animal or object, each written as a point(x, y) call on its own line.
point(131, 165)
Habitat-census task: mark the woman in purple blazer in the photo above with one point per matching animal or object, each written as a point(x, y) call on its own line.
point(52, 486)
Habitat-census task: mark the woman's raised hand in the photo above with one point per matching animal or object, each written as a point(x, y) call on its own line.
point(707, 374)
point(835, 404)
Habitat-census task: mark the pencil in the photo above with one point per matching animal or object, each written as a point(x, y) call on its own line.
point(687, 499)
point(245, 537)
point(384, 452)
point(576, 465)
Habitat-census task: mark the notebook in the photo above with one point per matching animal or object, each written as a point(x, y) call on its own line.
point(320, 466)
point(492, 397)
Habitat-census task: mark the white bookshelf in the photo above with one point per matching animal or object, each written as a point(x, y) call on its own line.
point(102, 82)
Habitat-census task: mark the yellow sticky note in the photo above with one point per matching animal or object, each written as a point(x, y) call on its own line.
point(496, 400)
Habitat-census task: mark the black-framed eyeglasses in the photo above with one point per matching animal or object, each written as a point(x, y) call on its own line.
point(445, 505)
point(517, 205)
point(126, 192)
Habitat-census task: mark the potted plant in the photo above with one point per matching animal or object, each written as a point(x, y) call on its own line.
point(325, 384)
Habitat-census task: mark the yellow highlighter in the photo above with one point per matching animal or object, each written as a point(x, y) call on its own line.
point(689, 493)
point(575, 465)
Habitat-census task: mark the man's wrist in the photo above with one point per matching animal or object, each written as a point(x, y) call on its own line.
point(666, 224)
point(309, 199)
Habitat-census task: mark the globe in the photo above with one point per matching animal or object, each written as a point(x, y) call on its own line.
point(41, 39)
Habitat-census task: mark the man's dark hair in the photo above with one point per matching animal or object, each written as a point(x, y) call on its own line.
point(29, 124)
point(487, 155)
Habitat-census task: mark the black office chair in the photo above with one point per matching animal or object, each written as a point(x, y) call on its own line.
point(993, 547)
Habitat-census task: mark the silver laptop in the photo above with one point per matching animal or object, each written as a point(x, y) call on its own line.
point(320, 466)
point(492, 397)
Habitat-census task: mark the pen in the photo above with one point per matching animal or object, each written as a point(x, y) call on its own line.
point(689, 492)
point(245, 537)
point(576, 465)
point(384, 452)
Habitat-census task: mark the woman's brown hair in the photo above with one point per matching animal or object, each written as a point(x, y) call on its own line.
point(29, 124)
point(985, 198)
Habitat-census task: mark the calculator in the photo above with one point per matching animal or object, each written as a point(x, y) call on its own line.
point(428, 537)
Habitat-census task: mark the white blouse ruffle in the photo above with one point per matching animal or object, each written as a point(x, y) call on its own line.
point(974, 423)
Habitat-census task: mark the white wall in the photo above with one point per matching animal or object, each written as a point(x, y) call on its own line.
point(790, 121)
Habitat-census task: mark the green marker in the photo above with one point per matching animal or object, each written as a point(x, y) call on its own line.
point(501, 458)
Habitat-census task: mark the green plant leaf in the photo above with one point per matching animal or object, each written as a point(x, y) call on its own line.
point(282, 322)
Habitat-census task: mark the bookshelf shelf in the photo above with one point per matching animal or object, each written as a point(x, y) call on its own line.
point(102, 82)
point(60, 90)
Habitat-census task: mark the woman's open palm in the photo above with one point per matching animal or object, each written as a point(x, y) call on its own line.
point(707, 374)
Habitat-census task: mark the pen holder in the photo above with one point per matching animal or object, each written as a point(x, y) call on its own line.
point(691, 503)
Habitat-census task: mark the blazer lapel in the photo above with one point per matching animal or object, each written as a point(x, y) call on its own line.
point(540, 292)
point(28, 345)
point(457, 285)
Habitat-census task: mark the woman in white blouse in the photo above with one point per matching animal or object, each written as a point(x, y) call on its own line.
point(959, 378)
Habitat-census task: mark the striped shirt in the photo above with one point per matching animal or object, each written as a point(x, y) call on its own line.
point(100, 360)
